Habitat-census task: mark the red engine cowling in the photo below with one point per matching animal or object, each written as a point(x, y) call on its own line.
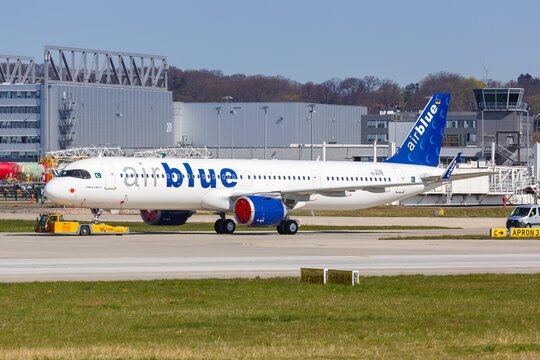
point(166, 217)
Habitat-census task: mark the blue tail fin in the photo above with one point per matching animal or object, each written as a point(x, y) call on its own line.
point(423, 144)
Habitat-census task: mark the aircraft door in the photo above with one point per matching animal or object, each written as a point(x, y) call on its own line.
point(110, 178)
point(400, 176)
point(316, 178)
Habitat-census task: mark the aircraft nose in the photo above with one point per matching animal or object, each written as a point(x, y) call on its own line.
point(57, 192)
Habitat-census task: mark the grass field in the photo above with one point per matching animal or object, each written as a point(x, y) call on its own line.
point(405, 211)
point(401, 317)
point(28, 226)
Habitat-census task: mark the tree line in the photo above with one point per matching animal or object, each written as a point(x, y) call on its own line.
point(370, 91)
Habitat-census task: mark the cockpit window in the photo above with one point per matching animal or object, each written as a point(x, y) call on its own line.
point(76, 173)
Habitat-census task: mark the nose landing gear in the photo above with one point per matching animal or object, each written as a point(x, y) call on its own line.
point(97, 213)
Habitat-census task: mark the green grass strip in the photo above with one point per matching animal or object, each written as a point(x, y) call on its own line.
point(484, 316)
point(28, 226)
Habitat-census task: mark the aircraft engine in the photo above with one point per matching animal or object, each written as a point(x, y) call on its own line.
point(166, 217)
point(259, 211)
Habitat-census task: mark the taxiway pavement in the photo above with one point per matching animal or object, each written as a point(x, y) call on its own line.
point(44, 257)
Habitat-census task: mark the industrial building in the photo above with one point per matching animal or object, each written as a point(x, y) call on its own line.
point(83, 97)
point(274, 125)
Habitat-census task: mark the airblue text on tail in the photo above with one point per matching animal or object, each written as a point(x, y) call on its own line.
point(423, 144)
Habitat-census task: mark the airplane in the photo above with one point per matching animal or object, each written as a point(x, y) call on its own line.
point(260, 193)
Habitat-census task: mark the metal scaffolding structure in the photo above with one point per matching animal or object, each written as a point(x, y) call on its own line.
point(66, 65)
point(102, 151)
point(17, 70)
point(179, 152)
point(84, 152)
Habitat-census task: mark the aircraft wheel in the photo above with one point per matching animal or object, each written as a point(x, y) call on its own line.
point(291, 227)
point(85, 230)
point(228, 226)
point(528, 226)
point(218, 226)
point(280, 228)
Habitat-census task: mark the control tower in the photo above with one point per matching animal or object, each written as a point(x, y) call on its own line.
point(504, 129)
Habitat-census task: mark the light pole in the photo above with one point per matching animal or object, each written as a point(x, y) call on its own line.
point(311, 111)
point(232, 112)
point(265, 108)
point(493, 155)
point(333, 122)
point(218, 109)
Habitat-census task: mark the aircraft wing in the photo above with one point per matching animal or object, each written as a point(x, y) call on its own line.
point(460, 176)
point(327, 191)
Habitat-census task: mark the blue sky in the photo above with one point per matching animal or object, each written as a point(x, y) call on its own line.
point(301, 40)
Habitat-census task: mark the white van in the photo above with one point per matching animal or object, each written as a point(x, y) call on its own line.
point(524, 216)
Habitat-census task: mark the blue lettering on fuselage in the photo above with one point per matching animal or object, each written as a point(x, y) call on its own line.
point(174, 177)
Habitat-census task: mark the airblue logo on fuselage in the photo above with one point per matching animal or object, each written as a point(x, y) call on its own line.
point(421, 128)
point(207, 178)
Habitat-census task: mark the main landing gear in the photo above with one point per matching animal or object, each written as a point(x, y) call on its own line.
point(227, 226)
point(224, 226)
point(287, 227)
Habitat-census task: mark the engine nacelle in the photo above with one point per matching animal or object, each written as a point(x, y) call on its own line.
point(259, 211)
point(166, 217)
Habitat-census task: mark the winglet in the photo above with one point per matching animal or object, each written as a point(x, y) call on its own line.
point(451, 167)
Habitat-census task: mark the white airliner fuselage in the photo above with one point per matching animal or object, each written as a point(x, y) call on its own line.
point(145, 183)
